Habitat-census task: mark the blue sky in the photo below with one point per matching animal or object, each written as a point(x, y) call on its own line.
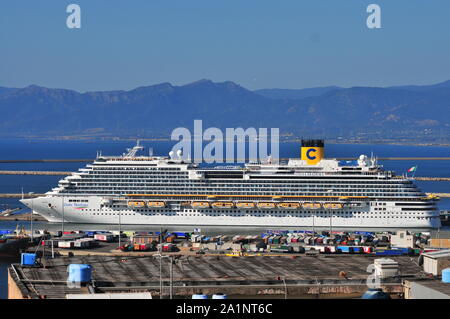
point(256, 43)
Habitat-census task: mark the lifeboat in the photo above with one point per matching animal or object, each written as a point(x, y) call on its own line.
point(136, 203)
point(245, 205)
point(156, 204)
point(333, 205)
point(289, 205)
point(312, 205)
point(222, 205)
point(200, 205)
point(266, 205)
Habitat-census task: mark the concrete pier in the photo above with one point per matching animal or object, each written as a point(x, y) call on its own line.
point(440, 194)
point(34, 173)
point(19, 195)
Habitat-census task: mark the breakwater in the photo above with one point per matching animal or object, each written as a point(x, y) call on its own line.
point(35, 173)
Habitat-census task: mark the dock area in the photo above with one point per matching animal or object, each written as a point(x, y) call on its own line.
point(272, 265)
point(19, 195)
point(56, 173)
point(22, 217)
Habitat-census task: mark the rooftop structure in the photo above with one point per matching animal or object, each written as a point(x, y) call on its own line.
point(254, 275)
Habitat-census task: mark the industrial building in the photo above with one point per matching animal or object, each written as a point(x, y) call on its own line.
point(434, 262)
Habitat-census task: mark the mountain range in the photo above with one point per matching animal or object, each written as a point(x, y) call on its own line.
point(383, 112)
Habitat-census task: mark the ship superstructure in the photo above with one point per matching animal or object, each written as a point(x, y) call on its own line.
point(310, 191)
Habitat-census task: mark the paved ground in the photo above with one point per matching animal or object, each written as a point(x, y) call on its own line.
point(137, 271)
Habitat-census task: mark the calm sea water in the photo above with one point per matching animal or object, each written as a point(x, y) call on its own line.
point(34, 149)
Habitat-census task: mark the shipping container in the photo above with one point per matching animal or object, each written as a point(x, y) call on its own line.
point(170, 238)
point(81, 244)
point(388, 252)
point(356, 249)
point(28, 259)
point(48, 243)
point(282, 249)
point(65, 244)
point(330, 249)
point(181, 234)
point(168, 247)
point(146, 246)
point(343, 249)
point(104, 237)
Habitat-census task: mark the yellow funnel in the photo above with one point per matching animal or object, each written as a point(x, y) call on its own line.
point(312, 151)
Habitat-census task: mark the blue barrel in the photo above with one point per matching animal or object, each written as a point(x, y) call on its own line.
point(28, 259)
point(375, 293)
point(199, 296)
point(446, 275)
point(344, 249)
point(79, 273)
point(219, 296)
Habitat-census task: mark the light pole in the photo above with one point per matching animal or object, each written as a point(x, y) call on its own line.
point(160, 274)
point(331, 223)
point(314, 229)
point(31, 219)
point(160, 263)
point(171, 277)
point(62, 223)
point(439, 237)
point(120, 227)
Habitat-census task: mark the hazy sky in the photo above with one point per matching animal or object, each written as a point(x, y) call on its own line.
point(256, 43)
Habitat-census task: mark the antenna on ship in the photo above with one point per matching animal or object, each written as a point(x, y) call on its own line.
point(150, 152)
point(132, 151)
point(180, 154)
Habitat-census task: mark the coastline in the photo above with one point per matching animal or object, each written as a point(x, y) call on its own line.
point(22, 217)
point(291, 139)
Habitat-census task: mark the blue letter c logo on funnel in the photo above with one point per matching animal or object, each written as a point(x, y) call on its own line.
point(311, 150)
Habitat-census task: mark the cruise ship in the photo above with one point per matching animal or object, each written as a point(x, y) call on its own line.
point(306, 191)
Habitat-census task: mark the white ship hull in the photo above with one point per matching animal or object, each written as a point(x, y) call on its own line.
point(93, 213)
